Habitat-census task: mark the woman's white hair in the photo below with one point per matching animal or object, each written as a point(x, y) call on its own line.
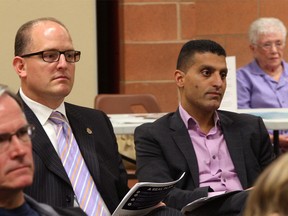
point(266, 25)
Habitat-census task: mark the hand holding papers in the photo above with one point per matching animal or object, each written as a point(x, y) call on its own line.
point(144, 197)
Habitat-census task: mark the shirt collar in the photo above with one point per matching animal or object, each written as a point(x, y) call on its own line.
point(258, 71)
point(190, 121)
point(42, 112)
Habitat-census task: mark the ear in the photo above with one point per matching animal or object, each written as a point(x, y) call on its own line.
point(252, 47)
point(179, 77)
point(19, 65)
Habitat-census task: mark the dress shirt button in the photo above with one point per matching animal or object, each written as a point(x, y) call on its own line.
point(214, 157)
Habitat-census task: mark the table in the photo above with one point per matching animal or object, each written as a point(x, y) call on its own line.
point(274, 119)
point(124, 126)
point(126, 123)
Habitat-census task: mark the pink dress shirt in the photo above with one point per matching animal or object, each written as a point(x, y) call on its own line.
point(216, 168)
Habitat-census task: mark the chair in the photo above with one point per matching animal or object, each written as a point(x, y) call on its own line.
point(126, 103)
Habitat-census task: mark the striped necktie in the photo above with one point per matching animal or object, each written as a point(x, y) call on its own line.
point(88, 197)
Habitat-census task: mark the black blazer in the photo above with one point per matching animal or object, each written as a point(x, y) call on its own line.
point(46, 210)
point(164, 151)
point(95, 137)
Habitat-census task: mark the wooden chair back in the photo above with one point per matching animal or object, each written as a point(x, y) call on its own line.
point(126, 103)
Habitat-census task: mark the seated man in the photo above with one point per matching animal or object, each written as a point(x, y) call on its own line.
point(16, 162)
point(45, 61)
point(219, 151)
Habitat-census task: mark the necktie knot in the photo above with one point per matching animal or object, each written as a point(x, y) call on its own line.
point(57, 118)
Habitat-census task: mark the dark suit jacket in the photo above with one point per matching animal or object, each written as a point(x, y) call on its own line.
point(51, 184)
point(164, 151)
point(46, 210)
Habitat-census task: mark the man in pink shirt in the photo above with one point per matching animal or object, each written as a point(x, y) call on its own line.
point(220, 151)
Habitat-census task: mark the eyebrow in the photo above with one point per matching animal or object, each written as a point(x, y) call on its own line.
point(212, 67)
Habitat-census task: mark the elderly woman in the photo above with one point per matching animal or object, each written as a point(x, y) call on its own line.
point(263, 83)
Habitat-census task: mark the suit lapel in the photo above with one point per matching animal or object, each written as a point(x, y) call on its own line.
point(45, 151)
point(43, 147)
point(233, 139)
point(182, 139)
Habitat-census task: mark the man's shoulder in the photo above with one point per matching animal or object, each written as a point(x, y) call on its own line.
point(78, 107)
point(44, 209)
point(160, 123)
point(40, 208)
point(238, 117)
point(85, 114)
point(82, 109)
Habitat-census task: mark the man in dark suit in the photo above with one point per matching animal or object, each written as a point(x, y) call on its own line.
point(220, 151)
point(16, 162)
point(45, 62)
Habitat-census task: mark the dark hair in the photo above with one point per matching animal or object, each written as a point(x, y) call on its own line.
point(23, 38)
point(189, 49)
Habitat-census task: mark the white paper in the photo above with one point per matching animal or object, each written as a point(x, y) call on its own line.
point(144, 197)
point(229, 101)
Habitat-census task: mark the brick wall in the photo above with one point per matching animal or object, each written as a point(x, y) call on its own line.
point(153, 31)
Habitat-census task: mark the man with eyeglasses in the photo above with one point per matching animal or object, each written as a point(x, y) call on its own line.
point(94, 178)
point(16, 162)
point(45, 62)
point(263, 83)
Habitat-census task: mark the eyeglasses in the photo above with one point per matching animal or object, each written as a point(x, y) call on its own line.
point(24, 134)
point(50, 56)
point(268, 46)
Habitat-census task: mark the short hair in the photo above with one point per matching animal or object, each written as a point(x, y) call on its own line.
point(23, 39)
point(4, 90)
point(266, 25)
point(189, 49)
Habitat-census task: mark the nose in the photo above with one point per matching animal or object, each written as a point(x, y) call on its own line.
point(273, 47)
point(16, 146)
point(217, 80)
point(62, 61)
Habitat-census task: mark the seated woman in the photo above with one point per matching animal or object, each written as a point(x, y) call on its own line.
point(263, 83)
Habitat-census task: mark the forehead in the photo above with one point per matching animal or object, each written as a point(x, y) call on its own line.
point(11, 115)
point(48, 33)
point(209, 59)
point(270, 36)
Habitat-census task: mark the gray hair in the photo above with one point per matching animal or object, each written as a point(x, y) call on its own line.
point(5, 90)
point(266, 25)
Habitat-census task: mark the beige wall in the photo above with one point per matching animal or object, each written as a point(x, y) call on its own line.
point(77, 15)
